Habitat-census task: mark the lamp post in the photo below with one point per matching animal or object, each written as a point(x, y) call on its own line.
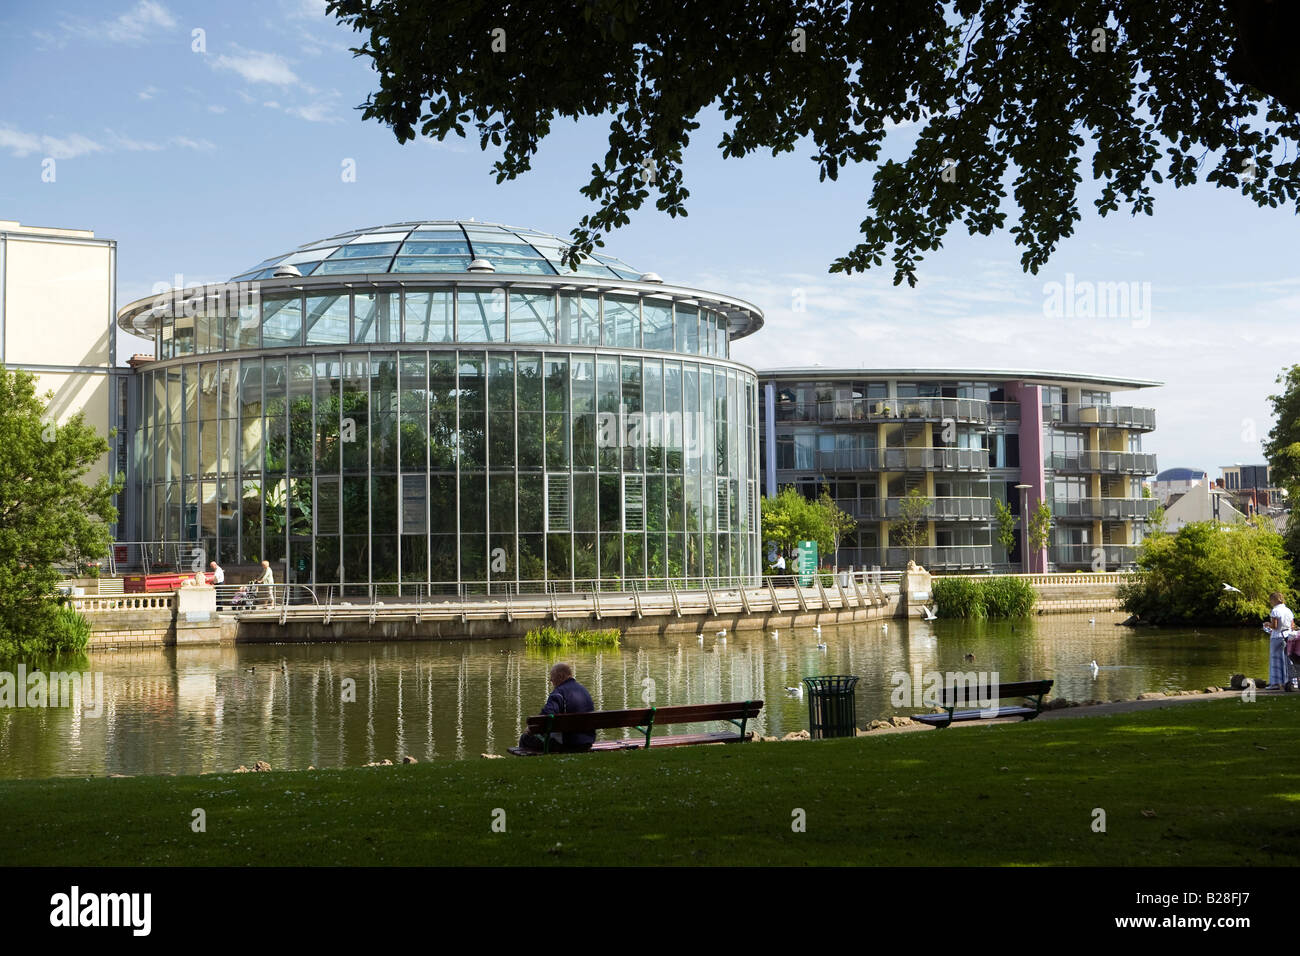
point(1024, 524)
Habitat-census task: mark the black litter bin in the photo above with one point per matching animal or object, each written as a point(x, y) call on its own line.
point(831, 706)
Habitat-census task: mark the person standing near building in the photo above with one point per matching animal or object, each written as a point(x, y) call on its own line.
point(1280, 624)
point(218, 578)
point(267, 580)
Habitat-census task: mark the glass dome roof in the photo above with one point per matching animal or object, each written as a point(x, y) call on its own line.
point(438, 246)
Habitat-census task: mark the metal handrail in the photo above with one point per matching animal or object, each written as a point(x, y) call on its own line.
point(421, 594)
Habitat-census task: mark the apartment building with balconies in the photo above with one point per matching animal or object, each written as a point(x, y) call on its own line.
point(964, 439)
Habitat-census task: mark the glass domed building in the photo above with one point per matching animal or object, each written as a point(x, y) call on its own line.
point(433, 406)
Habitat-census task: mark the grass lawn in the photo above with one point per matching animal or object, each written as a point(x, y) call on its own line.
point(1214, 782)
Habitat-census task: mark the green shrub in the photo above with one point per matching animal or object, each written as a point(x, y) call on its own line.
point(1181, 576)
point(549, 635)
point(1008, 597)
point(959, 597)
point(974, 598)
point(51, 629)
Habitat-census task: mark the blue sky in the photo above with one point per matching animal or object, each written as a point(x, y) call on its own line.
point(201, 164)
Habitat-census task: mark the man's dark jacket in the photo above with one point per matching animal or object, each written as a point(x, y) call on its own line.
point(571, 698)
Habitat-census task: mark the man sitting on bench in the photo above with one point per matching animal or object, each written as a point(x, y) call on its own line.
point(568, 697)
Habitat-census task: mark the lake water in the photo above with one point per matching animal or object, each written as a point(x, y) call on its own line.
point(205, 710)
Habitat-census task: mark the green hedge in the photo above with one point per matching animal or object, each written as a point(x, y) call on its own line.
point(983, 597)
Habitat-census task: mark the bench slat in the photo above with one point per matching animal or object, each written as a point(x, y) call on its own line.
point(668, 740)
point(940, 719)
point(968, 694)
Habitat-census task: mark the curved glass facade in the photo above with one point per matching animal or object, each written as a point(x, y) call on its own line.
point(486, 311)
point(445, 245)
point(406, 434)
point(460, 466)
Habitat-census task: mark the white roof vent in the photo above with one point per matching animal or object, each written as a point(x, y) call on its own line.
point(482, 265)
point(286, 272)
point(651, 277)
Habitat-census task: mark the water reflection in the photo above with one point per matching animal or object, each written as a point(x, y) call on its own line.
point(203, 710)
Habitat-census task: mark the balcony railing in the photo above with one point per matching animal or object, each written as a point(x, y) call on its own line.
point(943, 558)
point(1116, 416)
point(1103, 462)
point(867, 509)
point(947, 508)
point(903, 459)
point(1104, 557)
point(886, 410)
point(1105, 509)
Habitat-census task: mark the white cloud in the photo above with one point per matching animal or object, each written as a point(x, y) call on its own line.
point(306, 9)
point(148, 93)
point(1217, 359)
point(140, 23)
point(256, 66)
point(216, 108)
point(20, 143)
point(321, 111)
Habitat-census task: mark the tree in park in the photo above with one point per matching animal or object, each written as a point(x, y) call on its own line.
point(911, 528)
point(1025, 96)
point(1040, 528)
point(1005, 525)
point(1282, 451)
point(840, 522)
point(1155, 519)
point(790, 518)
point(48, 516)
point(1180, 577)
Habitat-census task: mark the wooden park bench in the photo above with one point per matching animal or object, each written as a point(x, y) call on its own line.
point(645, 720)
point(955, 695)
